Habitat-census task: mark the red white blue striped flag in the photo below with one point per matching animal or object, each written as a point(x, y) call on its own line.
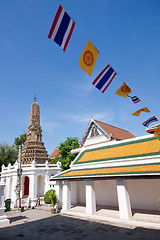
point(134, 99)
point(62, 28)
point(150, 120)
point(104, 79)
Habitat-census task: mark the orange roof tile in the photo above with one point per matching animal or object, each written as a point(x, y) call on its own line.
point(116, 132)
point(54, 154)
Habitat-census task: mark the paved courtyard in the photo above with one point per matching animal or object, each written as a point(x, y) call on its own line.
point(41, 224)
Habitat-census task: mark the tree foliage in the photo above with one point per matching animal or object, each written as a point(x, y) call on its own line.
point(65, 156)
point(20, 140)
point(8, 154)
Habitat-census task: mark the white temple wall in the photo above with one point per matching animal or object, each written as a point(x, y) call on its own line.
point(106, 193)
point(96, 139)
point(40, 185)
point(39, 181)
point(144, 193)
point(81, 192)
point(74, 192)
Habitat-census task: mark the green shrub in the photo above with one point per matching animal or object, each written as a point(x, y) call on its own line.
point(47, 199)
point(54, 198)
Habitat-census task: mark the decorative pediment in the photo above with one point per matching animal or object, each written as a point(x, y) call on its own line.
point(94, 131)
point(98, 132)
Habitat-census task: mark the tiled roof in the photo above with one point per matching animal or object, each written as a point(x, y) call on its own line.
point(112, 171)
point(117, 133)
point(54, 154)
point(143, 147)
point(132, 149)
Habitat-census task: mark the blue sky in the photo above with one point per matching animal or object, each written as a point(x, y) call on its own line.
point(127, 34)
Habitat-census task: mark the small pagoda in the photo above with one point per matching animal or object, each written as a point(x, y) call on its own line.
point(33, 149)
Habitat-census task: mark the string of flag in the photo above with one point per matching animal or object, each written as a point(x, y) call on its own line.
point(61, 31)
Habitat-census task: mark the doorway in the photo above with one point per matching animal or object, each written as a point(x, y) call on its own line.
point(26, 186)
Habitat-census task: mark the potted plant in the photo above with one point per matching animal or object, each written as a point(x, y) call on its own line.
point(158, 203)
point(54, 200)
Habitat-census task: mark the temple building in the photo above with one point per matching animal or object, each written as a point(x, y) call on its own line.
point(113, 171)
point(36, 166)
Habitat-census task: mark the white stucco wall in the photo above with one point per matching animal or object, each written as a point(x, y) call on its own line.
point(81, 192)
point(106, 193)
point(144, 193)
point(40, 185)
point(96, 139)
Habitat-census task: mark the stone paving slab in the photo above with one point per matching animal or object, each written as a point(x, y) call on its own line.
point(40, 224)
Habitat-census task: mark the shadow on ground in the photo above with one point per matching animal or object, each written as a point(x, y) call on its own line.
point(60, 227)
point(14, 219)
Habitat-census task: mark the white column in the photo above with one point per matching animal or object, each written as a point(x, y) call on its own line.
point(66, 201)
point(90, 198)
point(123, 200)
point(46, 187)
point(7, 187)
point(32, 189)
point(58, 189)
point(13, 191)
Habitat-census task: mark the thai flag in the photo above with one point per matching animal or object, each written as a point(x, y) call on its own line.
point(104, 79)
point(62, 28)
point(135, 99)
point(150, 120)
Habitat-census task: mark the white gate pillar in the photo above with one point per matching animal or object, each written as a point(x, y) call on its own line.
point(3, 217)
point(13, 191)
point(123, 200)
point(90, 198)
point(66, 202)
point(58, 189)
point(7, 195)
point(32, 189)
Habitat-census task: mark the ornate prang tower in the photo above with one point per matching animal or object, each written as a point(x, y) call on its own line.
point(34, 147)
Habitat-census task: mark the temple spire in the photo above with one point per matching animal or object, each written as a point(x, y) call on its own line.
point(35, 99)
point(34, 115)
point(33, 148)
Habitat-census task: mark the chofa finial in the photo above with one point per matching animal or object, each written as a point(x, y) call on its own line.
point(35, 98)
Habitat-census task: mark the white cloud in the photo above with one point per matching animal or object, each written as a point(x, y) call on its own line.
point(49, 127)
point(81, 90)
point(104, 116)
point(100, 116)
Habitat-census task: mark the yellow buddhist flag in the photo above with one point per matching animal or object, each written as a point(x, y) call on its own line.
point(124, 90)
point(157, 132)
point(88, 58)
point(137, 113)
